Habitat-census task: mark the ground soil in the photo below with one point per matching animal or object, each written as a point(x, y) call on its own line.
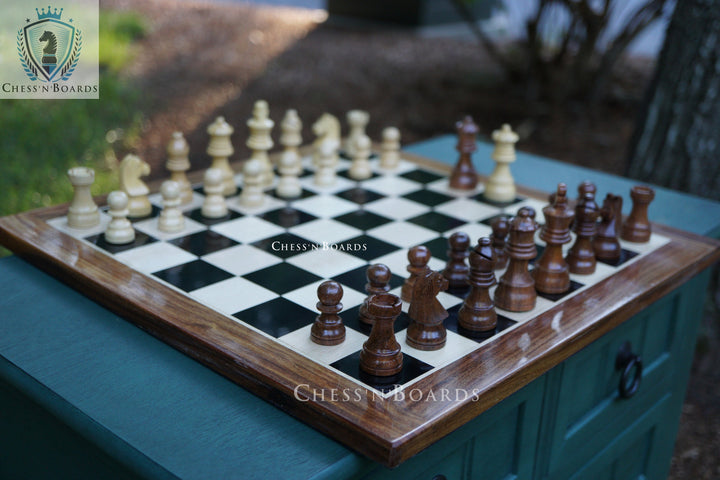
point(201, 60)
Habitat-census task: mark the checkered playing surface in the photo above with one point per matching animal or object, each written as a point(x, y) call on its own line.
point(262, 266)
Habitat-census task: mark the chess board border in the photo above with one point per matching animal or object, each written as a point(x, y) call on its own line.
point(388, 430)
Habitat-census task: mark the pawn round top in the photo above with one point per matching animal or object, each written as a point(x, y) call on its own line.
point(213, 177)
point(378, 274)
point(586, 187)
point(220, 127)
point(358, 117)
point(391, 134)
point(459, 241)
point(500, 227)
point(419, 256)
point(178, 146)
point(81, 175)
point(170, 190)
point(330, 293)
point(252, 168)
point(117, 200)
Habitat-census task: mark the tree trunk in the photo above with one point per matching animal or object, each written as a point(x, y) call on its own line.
point(677, 139)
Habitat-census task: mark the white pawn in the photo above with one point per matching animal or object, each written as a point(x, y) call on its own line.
point(252, 193)
point(171, 218)
point(214, 205)
point(83, 213)
point(325, 173)
point(119, 231)
point(357, 120)
point(289, 184)
point(500, 186)
point(360, 168)
point(390, 149)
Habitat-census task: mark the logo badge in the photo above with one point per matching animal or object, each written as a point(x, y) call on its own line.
point(49, 49)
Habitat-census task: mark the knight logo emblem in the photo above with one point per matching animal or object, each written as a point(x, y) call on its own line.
point(49, 48)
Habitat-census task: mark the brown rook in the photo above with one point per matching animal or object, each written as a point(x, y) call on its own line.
point(637, 226)
point(381, 354)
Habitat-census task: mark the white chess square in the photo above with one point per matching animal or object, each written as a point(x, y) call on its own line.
point(456, 347)
point(396, 208)
point(541, 305)
point(602, 271)
point(468, 210)
point(232, 295)
point(195, 202)
point(341, 183)
point(443, 186)
point(241, 259)
point(656, 241)
point(269, 203)
point(326, 263)
point(403, 167)
point(403, 234)
point(300, 341)
point(325, 206)
point(150, 226)
point(391, 185)
point(154, 257)
point(397, 262)
point(306, 296)
point(247, 229)
point(324, 230)
point(60, 223)
point(474, 230)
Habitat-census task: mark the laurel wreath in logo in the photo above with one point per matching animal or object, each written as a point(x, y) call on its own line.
point(30, 70)
point(67, 70)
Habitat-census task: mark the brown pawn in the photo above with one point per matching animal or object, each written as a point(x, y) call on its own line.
point(584, 188)
point(581, 257)
point(378, 277)
point(551, 272)
point(418, 257)
point(426, 330)
point(499, 234)
point(464, 176)
point(328, 328)
point(606, 244)
point(456, 271)
point(637, 226)
point(381, 354)
point(477, 313)
point(516, 289)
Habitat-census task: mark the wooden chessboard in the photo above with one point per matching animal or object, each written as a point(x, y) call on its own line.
point(238, 294)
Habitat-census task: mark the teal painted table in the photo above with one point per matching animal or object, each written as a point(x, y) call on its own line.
point(84, 394)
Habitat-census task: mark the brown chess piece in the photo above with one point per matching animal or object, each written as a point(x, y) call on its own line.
point(456, 271)
point(581, 257)
point(328, 328)
point(551, 272)
point(418, 257)
point(636, 227)
point(378, 277)
point(606, 243)
point(499, 234)
point(584, 188)
point(381, 354)
point(516, 289)
point(477, 313)
point(464, 176)
point(426, 330)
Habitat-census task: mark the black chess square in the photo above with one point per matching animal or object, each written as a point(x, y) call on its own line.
point(154, 212)
point(284, 245)
point(451, 323)
point(421, 176)
point(480, 197)
point(363, 220)
point(287, 217)
point(357, 278)
point(198, 217)
point(369, 247)
point(625, 255)
point(193, 275)
point(438, 248)
point(303, 194)
point(140, 240)
point(554, 297)
point(488, 221)
point(346, 174)
point(359, 195)
point(428, 197)
point(437, 221)
point(282, 278)
point(412, 368)
point(201, 190)
point(203, 242)
point(351, 319)
point(277, 317)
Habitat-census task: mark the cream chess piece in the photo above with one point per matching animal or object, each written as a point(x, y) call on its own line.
point(220, 150)
point(390, 149)
point(214, 205)
point(500, 186)
point(360, 168)
point(252, 193)
point(119, 231)
point(171, 218)
point(177, 164)
point(83, 213)
point(260, 141)
point(357, 121)
point(131, 169)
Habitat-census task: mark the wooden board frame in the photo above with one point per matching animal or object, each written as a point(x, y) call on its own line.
point(387, 430)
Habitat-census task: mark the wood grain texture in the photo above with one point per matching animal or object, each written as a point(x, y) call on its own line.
point(387, 430)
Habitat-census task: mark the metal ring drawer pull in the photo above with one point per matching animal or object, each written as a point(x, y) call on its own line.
point(632, 367)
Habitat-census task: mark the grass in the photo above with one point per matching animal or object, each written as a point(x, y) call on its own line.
point(41, 139)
